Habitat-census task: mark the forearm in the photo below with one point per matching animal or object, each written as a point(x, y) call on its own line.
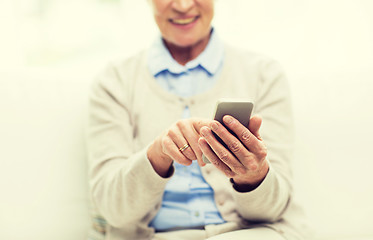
point(267, 202)
point(127, 190)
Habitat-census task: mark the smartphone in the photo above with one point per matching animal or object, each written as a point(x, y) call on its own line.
point(237, 108)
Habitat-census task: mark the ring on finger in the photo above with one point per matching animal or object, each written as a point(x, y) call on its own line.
point(183, 148)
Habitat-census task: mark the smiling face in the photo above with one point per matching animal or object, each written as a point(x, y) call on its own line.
point(183, 23)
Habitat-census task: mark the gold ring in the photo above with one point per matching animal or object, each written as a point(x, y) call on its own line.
point(184, 147)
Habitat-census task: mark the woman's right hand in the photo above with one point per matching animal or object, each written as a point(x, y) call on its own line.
point(166, 148)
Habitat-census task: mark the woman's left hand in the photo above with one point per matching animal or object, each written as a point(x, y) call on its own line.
point(246, 161)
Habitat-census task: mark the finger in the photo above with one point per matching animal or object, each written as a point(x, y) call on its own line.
point(170, 148)
point(226, 156)
point(248, 139)
point(233, 144)
point(254, 126)
point(199, 123)
point(192, 137)
point(178, 138)
point(208, 152)
point(246, 158)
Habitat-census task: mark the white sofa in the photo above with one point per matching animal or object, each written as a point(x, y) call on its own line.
point(43, 175)
point(43, 168)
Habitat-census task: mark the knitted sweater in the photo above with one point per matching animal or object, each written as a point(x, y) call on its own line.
point(128, 110)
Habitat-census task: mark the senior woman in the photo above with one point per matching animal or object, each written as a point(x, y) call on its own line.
point(150, 125)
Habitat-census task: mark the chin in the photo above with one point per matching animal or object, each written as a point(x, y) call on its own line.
point(185, 41)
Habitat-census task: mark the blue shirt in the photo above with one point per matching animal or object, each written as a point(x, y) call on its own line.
point(188, 200)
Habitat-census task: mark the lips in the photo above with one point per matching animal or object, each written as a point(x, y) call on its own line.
point(183, 21)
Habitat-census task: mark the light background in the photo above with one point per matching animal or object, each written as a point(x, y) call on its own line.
point(51, 49)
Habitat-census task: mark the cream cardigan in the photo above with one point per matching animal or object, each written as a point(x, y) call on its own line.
point(128, 110)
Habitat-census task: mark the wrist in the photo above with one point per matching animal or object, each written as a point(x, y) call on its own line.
point(160, 162)
point(247, 184)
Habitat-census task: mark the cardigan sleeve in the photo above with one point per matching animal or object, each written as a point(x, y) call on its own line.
point(270, 199)
point(124, 186)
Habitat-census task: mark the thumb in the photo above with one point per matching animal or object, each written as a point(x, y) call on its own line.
point(254, 126)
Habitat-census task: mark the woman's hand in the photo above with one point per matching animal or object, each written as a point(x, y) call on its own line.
point(178, 143)
point(246, 161)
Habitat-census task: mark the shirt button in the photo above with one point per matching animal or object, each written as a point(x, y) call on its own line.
point(196, 214)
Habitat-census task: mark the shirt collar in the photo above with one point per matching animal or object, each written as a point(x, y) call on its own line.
point(160, 59)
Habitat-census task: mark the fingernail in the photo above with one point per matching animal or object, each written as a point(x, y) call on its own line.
point(227, 119)
point(204, 132)
point(214, 126)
